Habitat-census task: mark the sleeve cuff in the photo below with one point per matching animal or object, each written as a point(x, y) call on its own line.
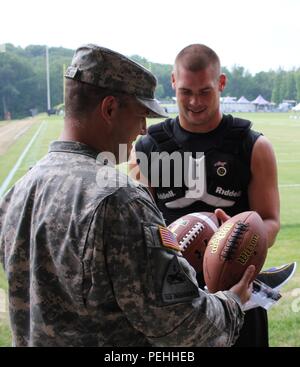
point(234, 296)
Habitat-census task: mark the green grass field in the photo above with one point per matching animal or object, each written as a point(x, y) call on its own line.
point(284, 133)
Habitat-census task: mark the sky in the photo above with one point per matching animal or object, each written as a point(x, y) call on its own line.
point(259, 35)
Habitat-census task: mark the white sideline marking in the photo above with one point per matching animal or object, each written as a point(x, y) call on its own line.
point(11, 174)
point(21, 132)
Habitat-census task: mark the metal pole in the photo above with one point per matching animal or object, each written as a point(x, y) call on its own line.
point(48, 81)
point(64, 86)
point(4, 105)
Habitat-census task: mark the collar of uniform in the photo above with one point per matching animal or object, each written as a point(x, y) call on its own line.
point(73, 147)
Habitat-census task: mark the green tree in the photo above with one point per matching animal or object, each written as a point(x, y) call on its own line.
point(23, 79)
point(16, 81)
point(291, 90)
point(23, 83)
point(263, 84)
point(297, 79)
point(162, 73)
point(279, 86)
point(239, 83)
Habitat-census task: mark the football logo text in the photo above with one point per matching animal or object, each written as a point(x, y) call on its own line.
point(218, 236)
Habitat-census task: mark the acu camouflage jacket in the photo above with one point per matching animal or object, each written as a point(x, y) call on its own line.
point(86, 265)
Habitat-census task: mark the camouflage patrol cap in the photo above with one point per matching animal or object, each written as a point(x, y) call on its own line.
point(105, 68)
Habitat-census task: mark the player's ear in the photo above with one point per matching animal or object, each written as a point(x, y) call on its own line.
point(173, 82)
point(222, 82)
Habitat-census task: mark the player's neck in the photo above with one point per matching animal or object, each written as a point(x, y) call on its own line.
point(201, 126)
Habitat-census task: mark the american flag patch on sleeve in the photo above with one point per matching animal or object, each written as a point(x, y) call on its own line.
point(168, 239)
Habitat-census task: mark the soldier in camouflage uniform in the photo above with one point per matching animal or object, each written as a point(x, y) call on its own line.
point(87, 255)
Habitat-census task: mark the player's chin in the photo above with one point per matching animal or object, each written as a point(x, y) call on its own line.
point(197, 121)
point(198, 116)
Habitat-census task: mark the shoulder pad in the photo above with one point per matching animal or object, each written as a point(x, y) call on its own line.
point(236, 131)
point(163, 137)
point(240, 126)
point(145, 144)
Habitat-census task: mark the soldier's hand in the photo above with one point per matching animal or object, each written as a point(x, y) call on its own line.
point(243, 288)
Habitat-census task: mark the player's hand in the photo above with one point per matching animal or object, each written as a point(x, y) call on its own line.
point(243, 288)
point(221, 215)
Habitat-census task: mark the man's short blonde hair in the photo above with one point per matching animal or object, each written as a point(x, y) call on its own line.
point(197, 57)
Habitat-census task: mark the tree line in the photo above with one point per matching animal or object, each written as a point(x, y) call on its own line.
point(23, 86)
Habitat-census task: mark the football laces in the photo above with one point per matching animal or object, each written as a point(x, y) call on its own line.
point(191, 235)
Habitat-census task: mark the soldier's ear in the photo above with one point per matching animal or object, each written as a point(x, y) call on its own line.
point(109, 106)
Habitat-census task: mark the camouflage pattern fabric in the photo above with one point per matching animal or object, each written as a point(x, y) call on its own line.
point(105, 68)
point(86, 265)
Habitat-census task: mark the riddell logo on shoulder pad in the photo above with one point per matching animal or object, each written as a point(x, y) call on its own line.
point(229, 193)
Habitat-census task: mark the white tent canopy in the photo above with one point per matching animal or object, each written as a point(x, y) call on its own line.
point(296, 108)
point(243, 100)
point(260, 101)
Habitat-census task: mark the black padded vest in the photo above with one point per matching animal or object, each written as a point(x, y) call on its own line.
point(226, 164)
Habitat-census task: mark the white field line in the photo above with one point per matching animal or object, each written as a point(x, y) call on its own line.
point(7, 131)
point(11, 174)
point(21, 132)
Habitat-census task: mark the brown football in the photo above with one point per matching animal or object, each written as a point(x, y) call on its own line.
point(240, 241)
point(193, 231)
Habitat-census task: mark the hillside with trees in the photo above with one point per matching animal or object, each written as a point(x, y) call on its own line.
point(23, 83)
point(23, 87)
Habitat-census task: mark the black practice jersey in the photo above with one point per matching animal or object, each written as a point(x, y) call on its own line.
point(194, 172)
